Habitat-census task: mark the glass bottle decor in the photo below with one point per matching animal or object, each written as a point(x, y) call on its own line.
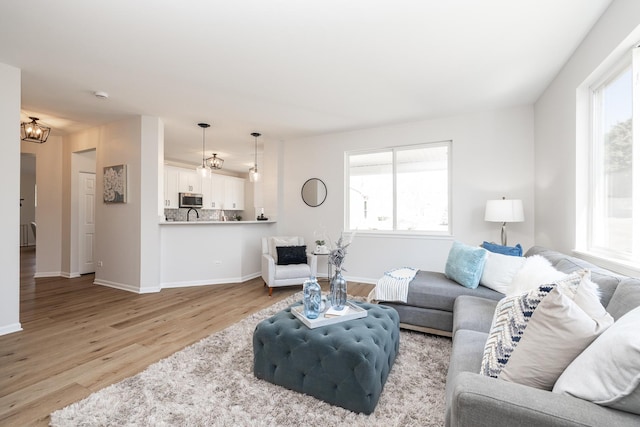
point(312, 298)
point(338, 291)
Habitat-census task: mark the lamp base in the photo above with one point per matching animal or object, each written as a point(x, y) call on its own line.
point(503, 234)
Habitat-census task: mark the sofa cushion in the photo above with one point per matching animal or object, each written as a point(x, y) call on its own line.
point(606, 280)
point(465, 263)
point(499, 271)
point(473, 313)
point(292, 271)
point(430, 289)
point(608, 371)
point(625, 298)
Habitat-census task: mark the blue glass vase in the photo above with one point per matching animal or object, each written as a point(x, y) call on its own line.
point(312, 298)
point(338, 291)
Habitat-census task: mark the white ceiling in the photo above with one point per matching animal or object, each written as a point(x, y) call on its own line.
point(285, 68)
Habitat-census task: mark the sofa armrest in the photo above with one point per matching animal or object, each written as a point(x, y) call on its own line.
point(478, 400)
point(268, 269)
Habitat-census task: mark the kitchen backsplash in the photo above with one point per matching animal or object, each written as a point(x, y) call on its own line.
point(204, 215)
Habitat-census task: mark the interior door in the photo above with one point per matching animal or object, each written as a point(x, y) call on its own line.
point(86, 222)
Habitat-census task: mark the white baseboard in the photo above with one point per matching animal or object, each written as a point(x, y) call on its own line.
point(9, 329)
point(125, 287)
point(208, 282)
point(40, 274)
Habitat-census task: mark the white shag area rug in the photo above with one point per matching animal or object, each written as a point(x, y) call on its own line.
point(211, 383)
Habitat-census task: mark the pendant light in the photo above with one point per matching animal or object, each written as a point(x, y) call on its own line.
point(34, 132)
point(203, 170)
point(254, 176)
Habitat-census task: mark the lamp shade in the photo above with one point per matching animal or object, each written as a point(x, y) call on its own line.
point(504, 211)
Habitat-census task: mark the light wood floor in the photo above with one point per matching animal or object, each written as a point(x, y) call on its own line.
point(79, 337)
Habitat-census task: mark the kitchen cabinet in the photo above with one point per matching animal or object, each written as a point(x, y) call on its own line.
point(189, 181)
point(206, 194)
point(213, 192)
point(233, 193)
point(171, 187)
point(217, 191)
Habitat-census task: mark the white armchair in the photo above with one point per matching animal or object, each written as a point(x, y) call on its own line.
point(275, 275)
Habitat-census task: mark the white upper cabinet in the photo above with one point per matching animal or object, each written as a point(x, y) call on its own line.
point(189, 181)
point(218, 191)
point(171, 187)
point(233, 193)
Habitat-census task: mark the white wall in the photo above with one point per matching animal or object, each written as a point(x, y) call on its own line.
point(555, 127)
point(27, 198)
point(10, 224)
point(49, 210)
point(492, 157)
point(151, 195)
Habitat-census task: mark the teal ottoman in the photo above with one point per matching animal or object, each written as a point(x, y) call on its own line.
point(345, 364)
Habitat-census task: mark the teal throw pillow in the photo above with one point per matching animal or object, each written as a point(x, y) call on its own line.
point(465, 264)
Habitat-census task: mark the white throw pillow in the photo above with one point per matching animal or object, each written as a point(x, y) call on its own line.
point(608, 371)
point(536, 335)
point(499, 271)
point(274, 242)
point(536, 271)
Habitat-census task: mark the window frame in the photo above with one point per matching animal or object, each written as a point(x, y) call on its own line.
point(588, 124)
point(394, 150)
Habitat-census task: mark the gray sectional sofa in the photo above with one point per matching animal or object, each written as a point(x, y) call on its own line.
point(437, 305)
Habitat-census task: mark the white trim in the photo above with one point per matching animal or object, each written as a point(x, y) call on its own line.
point(49, 274)
point(208, 282)
point(616, 266)
point(447, 143)
point(390, 234)
point(125, 287)
point(9, 329)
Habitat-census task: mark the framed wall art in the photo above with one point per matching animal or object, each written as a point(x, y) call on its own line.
point(115, 184)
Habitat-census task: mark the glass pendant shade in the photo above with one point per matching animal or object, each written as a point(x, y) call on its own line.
point(203, 171)
point(254, 175)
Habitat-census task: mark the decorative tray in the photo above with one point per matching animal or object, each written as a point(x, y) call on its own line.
point(355, 312)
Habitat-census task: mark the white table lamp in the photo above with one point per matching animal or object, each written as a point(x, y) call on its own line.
point(504, 211)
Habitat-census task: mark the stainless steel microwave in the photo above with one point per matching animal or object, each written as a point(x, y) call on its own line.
point(190, 200)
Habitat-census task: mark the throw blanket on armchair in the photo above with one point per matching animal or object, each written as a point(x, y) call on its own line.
point(394, 284)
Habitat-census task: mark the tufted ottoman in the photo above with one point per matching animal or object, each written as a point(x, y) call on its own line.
point(345, 364)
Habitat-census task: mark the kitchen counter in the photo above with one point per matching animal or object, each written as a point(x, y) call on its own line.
point(196, 253)
point(214, 222)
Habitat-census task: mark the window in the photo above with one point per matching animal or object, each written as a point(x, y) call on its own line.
point(614, 190)
point(400, 189)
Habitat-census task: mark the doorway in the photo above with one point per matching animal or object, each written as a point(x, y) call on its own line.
point(83, 205)
point(86, 222)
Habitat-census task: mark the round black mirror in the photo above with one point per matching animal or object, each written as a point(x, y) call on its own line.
point(314, 192)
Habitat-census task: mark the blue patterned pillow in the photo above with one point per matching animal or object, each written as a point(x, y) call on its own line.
point(465, 264)
point(504, 250)
point(510, 319)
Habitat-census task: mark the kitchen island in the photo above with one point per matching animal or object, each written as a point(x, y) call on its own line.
point(196, 253)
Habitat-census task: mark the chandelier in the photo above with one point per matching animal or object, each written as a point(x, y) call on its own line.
point(34, 132)
point(215, 162)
